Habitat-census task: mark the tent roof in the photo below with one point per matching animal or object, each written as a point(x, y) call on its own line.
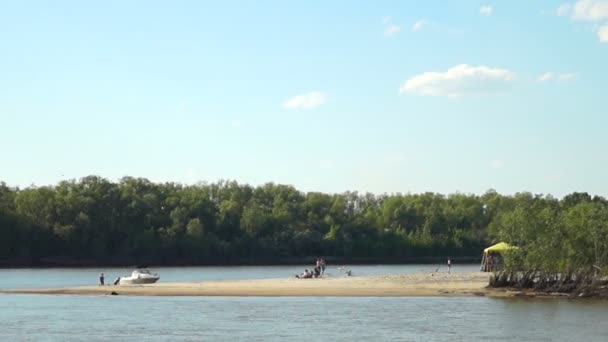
point(499, 248)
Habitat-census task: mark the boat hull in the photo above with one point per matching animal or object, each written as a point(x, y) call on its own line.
point(137, 281)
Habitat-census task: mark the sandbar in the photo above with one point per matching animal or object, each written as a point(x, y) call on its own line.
point(398, 285)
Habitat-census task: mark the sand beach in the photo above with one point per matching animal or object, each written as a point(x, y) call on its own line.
point(416, 284)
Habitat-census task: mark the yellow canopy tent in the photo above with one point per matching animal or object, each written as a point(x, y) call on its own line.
point(487, 264)
point(499, 248)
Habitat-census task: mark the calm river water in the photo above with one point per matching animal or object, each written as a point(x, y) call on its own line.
point(123, 318)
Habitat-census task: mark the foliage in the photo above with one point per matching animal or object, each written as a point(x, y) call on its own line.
point(93, 218)
point(563, 245)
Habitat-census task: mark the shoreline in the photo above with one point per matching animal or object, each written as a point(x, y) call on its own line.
point(398, 285)
point(58, 262)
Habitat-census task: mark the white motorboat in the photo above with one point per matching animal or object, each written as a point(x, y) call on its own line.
point(141, 276)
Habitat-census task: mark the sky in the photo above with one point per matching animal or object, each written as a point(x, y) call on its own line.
point(332, 96)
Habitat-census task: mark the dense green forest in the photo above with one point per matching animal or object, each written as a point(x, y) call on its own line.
point(563, 245)
point(135, 219)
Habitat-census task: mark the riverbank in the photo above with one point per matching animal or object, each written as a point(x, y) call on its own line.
point(417, 284)
point(61, 262)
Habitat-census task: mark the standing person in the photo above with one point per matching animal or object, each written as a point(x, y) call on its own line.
point(449, 265)
point(101, 279)
point(318, 263)
point(322, 262)
point(489, 263)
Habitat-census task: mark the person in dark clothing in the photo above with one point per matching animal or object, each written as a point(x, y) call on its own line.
point(304, 275)
point(101, 279)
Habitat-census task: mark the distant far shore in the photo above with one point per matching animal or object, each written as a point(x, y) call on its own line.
point(176, 262)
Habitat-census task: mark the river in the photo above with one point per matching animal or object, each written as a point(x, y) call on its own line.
point(124, 318)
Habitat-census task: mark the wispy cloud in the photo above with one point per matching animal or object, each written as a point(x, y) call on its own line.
point(590, 10)
point(564, 10)
point(602, 33)
point(486, 10)
point(419, 25)
point(546, 77)
point(306, 101)
point(587, 10)
point(458, 81)
point(392, 30)
point(428, 25)
point(560, 77)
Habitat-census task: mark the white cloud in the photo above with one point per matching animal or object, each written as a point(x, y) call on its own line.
point(392, 30)
point(564, 10)
point(563, 77)
point(546, 77)
point(589, 10)
point(427, 25)
point(458, 81)
point(486, 10)
point(306, 101)
point(419, 25)
point(602, 33)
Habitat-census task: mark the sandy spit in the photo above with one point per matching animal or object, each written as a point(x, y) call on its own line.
point(399, 285)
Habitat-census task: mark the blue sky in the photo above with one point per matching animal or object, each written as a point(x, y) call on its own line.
point(383, 96)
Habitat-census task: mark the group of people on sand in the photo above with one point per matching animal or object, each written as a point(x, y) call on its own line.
point(317, 272)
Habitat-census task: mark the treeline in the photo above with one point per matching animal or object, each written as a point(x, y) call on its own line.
point(563, 245)
point(135, 219)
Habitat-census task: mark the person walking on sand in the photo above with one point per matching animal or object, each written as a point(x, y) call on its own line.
point(449, 265)
point(101, 279)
